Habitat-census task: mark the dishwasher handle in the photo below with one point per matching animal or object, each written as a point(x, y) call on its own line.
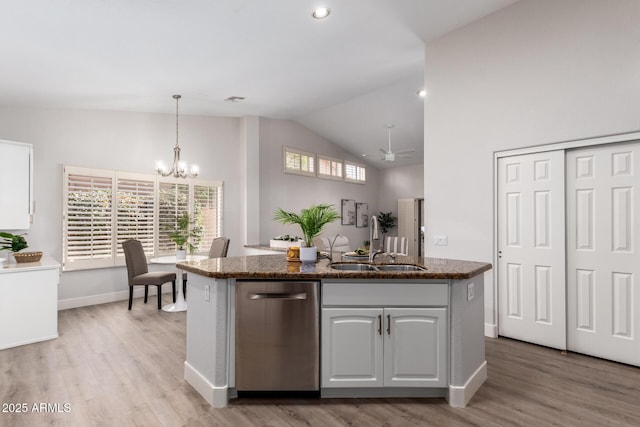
point(278, 295)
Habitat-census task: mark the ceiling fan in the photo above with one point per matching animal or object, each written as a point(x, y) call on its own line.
point(389, 155)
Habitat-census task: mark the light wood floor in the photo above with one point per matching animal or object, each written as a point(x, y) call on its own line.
point(120, 368)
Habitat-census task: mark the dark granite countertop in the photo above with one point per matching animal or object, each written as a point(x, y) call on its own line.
point(277, 267)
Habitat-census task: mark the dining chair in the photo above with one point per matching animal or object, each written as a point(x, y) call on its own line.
point(219, 248)
point(139, 275)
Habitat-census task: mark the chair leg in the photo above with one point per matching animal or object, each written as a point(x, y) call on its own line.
point(159, 297)
point(130, 296)
point(146, 293)
point(173, 289)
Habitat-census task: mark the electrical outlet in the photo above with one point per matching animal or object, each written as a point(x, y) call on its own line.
point(441, 240)
point(470, 291)
point(206, 292)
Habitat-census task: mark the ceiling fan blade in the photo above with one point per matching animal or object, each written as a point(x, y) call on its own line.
point(408, 150)
point(383, 151)
point(404, 156)
point(372, 155)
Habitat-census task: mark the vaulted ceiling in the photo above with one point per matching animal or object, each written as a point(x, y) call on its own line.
point(345, 77)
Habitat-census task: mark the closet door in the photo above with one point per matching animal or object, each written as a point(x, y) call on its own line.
point(603, 262)
point(531, 248)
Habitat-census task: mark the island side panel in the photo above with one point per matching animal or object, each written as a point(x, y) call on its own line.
point(468, 364)
point(206, 364)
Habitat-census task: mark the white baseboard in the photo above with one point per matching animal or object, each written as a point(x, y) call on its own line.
point(459, 396)
point(215, 396)
point(490, 330)
point(65, 304)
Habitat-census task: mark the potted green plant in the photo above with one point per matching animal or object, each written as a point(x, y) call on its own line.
point(185, 234)
point(386, 221)
point(311, 222)
point(15, 243)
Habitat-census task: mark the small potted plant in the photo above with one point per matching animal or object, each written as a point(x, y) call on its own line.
point(186, 235)
point(311, 222)
point(386, 221)
point(15, 243)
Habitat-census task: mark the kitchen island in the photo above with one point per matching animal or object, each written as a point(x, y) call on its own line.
point(425, 328)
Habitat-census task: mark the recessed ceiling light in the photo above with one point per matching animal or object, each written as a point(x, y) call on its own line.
point(321, 12)
point(422, 93)
point(235, 99)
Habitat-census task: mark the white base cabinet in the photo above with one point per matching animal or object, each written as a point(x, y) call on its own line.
point(29, 302)
point(384, 334)
point(384, 347)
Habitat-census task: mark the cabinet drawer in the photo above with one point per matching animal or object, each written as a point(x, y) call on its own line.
point(354, 294)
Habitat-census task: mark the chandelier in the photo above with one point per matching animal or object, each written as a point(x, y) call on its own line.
point(179, 169)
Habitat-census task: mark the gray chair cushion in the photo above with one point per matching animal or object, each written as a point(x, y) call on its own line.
point(153, 278)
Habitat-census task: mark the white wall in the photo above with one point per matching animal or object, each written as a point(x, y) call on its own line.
point(295, 192)
point(121, 141)
point(537, 72)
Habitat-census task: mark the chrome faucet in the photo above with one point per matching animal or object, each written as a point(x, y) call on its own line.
point(373, 234)
point(331, 247)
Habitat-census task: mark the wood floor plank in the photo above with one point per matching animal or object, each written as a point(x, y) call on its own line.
point(122, 368)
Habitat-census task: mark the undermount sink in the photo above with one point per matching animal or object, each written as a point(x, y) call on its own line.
point(352, 266)
point(400, 267)
point(358, 266)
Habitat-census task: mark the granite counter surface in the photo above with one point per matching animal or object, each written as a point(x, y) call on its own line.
point(277, 267)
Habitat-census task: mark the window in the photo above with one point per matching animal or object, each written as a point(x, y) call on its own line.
point(329, 168)
point(102, 208)
point(135, 213)
point(88, 218)
point(298, 162)
point(355, 172)
point(302, 163)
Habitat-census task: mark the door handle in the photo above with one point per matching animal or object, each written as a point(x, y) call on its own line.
point(380, 324)
point(278, 295)
point(388, 324)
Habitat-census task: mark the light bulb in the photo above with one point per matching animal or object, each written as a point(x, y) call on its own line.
point(321, 12)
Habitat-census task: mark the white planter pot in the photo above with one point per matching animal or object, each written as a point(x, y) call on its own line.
point(181, 254)
point(308, 254)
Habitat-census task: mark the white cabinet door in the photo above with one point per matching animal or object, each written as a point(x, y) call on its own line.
point(392, 347)
point(415, 347)
point(352, 347)
point(29, 305)
point(15, 185)
point(531, 245)
point(603, 267)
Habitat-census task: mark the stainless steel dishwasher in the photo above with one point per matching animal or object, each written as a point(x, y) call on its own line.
point(277, 336)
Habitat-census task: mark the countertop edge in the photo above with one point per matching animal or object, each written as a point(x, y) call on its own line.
point(475, 269)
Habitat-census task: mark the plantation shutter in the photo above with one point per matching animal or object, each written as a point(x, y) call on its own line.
point(103, 208)
point(207, 214)
point(173, 201)
point(355, 172)
point(135, 216)
point(88, 219)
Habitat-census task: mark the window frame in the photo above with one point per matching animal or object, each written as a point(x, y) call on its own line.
point(115, 258)
point(310, 156)
point(358, 166)
point(321, 157)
